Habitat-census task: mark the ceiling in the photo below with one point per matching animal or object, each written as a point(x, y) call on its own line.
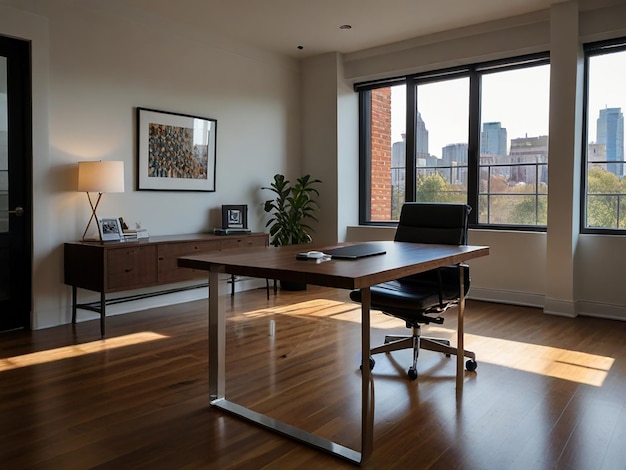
point(282, 26)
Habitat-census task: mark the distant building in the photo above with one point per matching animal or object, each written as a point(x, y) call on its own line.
point(398, 153)
point(398, 162)
point(421, 140)
point(454, 153)
point(596, 155)
point(526, 153)
point(493, 139)
point(454, 160)
point(610, 132)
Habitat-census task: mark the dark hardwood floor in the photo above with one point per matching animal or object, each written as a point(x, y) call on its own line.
point(549, 392)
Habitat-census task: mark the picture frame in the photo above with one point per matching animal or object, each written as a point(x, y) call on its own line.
point(235, 216)
point(110, 229)
point(175, 152)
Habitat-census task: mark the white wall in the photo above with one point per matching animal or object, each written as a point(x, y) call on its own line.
point(330, 149)
point(93, 65)
point(319, 148)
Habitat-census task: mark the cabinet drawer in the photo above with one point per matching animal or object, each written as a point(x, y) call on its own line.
point(243, 242)
point(131, 267)
point(168, 259)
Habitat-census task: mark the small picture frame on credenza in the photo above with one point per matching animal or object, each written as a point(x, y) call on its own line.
point(235, 216)
point(111, 229)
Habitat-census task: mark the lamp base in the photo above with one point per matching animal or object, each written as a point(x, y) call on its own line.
point(85, 238)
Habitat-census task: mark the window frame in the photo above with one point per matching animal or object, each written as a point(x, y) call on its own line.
point(474, 72)
point(593, 49)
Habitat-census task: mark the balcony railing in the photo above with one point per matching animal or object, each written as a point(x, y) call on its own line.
point(513, 193)
point(509, 193)
point(606, 201)
point(606, 210)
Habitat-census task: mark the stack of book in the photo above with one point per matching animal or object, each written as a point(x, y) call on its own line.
point(135, 234)
point(230, 231)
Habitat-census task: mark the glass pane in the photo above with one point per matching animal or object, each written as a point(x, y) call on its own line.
point(606, 185)
point(516, 209)
point(441, 141)
point(387, 144)
point(4, 149)
point(4, 183)
point(514, 146)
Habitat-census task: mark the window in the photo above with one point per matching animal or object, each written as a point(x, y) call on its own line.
point(513, 164)
point(442, 175)
point(476, 134)
point(604, 205)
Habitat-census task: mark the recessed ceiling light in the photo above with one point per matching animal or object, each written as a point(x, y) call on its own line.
point(345, 26)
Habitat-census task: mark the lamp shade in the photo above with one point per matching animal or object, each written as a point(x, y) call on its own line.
point(101, 177)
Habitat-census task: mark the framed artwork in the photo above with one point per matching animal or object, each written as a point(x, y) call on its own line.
point(235, 216)
point(175, 152)
point(110, 229)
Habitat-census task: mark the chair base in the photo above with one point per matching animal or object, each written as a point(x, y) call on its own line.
point(417, 342)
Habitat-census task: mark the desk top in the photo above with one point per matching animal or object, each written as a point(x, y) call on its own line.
point(402, 259)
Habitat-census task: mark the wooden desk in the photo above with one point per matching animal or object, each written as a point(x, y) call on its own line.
point(401, 259)
point(121, 266)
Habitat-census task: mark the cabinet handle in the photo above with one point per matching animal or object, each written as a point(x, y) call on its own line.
point(160, 258)
point(128, 270)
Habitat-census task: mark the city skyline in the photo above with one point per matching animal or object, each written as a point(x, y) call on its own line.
point(616, 137)
point(440, 106)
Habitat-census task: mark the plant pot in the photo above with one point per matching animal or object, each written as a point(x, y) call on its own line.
point(292, 286)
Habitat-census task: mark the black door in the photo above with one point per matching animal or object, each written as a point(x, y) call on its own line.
point(15, 187)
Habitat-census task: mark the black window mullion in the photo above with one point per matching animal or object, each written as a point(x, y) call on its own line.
point(473, 147)
point(410, 190)
point(591, 50)
point(365, 154)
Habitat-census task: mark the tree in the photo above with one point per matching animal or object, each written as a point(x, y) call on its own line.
point(435, 188)
point(603, 200)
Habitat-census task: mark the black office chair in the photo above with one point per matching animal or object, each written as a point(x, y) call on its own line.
point(424, 297)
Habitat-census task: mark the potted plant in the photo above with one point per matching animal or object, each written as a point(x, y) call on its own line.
point(292, 207)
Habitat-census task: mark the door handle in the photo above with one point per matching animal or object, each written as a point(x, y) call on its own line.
point(19, 211)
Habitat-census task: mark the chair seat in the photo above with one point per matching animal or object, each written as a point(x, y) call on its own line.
point(411, 297)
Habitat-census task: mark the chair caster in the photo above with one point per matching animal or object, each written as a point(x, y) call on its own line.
point(372, 364)
point(412, 373)
point(471, 365)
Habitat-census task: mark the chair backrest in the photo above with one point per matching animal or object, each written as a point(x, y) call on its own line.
point(441, 223)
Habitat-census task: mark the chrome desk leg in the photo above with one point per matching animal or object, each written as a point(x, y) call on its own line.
point(459, 331)
point(217, 379)
point(217, 339)
point(103, 313)
point(367, 385)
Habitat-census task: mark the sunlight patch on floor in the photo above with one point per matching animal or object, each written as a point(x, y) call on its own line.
point(566, 364)
point(320, 308)
point(66, 352)
point(549, 361)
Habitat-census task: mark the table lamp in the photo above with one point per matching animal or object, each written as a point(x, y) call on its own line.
point(99, 177)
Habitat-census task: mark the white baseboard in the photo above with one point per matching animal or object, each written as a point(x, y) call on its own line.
point(551, 306)
point(507, 297)
point(599, 310)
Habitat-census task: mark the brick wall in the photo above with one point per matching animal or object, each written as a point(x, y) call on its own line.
point(381, 154)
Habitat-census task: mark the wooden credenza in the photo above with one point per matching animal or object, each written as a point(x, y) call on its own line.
point(122, 266)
